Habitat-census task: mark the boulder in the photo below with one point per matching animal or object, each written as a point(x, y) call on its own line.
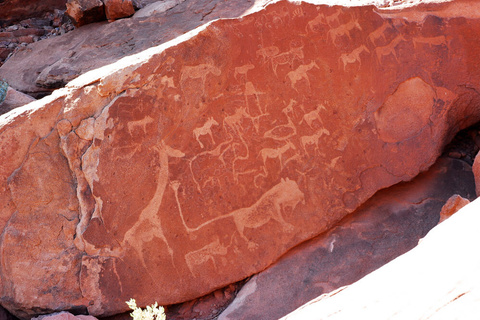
point(199, 162)
point(385, 227)
point(14, 99)
point(64, 316)
point(12, 11)
point(116, 9)
point(438, 279)
point(85, 11)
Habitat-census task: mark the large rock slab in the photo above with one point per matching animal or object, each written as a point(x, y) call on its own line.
point(200, 162)
point(385, 227)
point(438, 279)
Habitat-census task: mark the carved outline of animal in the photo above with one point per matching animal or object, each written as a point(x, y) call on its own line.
point(318, 20)
point(198, 72)
point(389, 49)
point(268, 52)
point(313, 139)
point(344, 29)
point(287, 57)
point(282, 195)
point(333, 17)
point(353, 56)
point(432, 41)
point(313, 115)
point(301, 73)
point(243, 70)
point(131, 125)
point(272, 153)
point(204, 130)
point(270, 135)
point(206, 253)
point(379, 33)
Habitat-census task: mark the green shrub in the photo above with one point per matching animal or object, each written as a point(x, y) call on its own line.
point(153, 312)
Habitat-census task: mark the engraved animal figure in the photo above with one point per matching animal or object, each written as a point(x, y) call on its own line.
point(389, 49)
point(313, 139)
point(333, 17)
point(271, 205)
point(313, 115)
point(301, 73)
point(148, 226)
point(433, 41)
point(204, 130)
point(344, 30)
point(287, 57)
point(270, 134)
point(251, 91)
point(205, 254)
point(272, 153)
point(198, 72)
point(268, 52)
point(243, 70)
point(313, 24)
point(353, 56)
point(132, 125)
point(379, 33)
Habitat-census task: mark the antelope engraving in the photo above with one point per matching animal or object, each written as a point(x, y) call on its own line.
point(271, 205)
point(379, 33)
point(268, 52)
point(353, 56)
point(313, 115)
point(204, 130)
point(272, 153)
point(142, 124)
point(434, 41)
point(287, 57)
point(301, 73)
point(205, 254)
point(313, 24)
point(313, 139)
point(389, 49)
point(198, 72)
point(344, 30)
point(333, 17)
point(243, 70)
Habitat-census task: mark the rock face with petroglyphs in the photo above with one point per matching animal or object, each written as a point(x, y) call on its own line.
point(200, 162)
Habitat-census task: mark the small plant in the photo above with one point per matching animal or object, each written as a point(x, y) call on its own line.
point(153, 312)
point(3, 90)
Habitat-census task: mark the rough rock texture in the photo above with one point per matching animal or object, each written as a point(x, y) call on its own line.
point(386, 226)
point(476, 172)
point(85, 11)
point(37, 70)
point(454, 203)
point(64, 316)
point(438, 279)
point(16, 10)
point(14, 99)
point(200, 162)
point(116, 9)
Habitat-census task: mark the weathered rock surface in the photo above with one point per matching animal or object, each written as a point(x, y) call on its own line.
point(386, 226)
point(86, 11)
point(64, 316)
point(16, 10)
point(438, 279)
point(14, 99)
point(476, 172)
point(200, 162)
point(37, 70)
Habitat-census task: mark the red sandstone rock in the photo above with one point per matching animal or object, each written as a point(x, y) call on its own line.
point(455, 203)
point(386, 226)
point(64, 316)
point(116, 9)
point(16, 10)
point(438, 279)
point(200, 162)
point(476, 172)
point(14, 99)
point(85, 11)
